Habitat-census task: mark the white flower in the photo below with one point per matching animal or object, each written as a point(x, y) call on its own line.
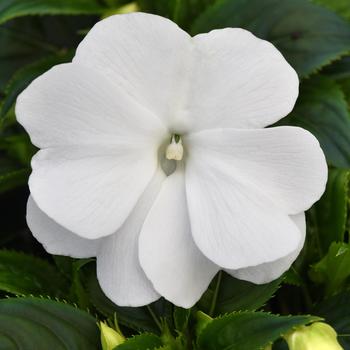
point(99, 185)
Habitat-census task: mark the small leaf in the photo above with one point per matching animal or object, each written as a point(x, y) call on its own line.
point(336, 311)
point(333, 270)
point(330, 214)
point(146, 341)
point(308, 35)
point(322, 109)
point(248, 330)
point(10, 9)
point(13, 177)
point(237, 295)
point(25, 274)
point(181, 318)
point(41, 324)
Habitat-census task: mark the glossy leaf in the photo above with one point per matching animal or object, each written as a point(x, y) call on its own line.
point(309, 36)
point(322, 109)
point(25, 274)
point(38, 324)
point(10, 9)
point(247, 330)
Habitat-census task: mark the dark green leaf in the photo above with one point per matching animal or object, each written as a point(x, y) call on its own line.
point(12, 178)
point(336, 311)
point(24, 76)
point(146, 341)
point(247, 330)
point(322, 109)
point(333, 270)
point(339, 69)
point(181, 318)
point(237, 295)
point(41, 324)
point(308, 35)
point(25, 274)
point(10, 9)
point(330, 213)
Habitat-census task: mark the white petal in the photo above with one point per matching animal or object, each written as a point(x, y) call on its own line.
point(146, 55)
point(91, 191)
point(239, 81)
point(233, 223)
point(286, 164)
point(55, 238)
point(118, 268)
point(74, 105)
point(168, 255)
point(268, 272)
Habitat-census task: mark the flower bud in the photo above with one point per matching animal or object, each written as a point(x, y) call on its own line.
point(110, 338)
point(318, 336)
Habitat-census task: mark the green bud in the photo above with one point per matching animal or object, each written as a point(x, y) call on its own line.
point(110, 338)
point(318, 336)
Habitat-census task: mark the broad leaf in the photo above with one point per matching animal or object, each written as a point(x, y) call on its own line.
point(41, 324)
point(333, 270)
point(330, 214)
point(10, 9)
point(309, 36)
point(28, 275)
point(322, 109)
point(247, 330)
point(146, 341)
point(336, 311)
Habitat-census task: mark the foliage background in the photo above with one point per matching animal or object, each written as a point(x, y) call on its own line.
point(54, 302)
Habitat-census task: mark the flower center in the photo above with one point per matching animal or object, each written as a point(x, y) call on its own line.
point(175, 150)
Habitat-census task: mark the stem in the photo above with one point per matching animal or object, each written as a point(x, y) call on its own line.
point(155, 318)
point(215, 296)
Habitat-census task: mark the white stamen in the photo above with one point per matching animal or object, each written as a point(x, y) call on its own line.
point(175, 149)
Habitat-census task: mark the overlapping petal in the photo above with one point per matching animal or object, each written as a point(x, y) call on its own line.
point(55, 238)
point(168, 255)
point(286, 164)
point(118, 269)
point(146, 55)
point(268, 272)
point(91, 191)
point(239, 81)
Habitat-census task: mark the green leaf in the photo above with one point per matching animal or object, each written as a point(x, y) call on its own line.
point(341, 7)
point(247, 330)
point(335, 310)
point(237, 295)
point(41, 324)
point(10, 9)
point(308, 35)
point(330, 214)
point(339, 69)
point(181, 318)
point(11, 177)
point(146, 341)
point(322, 109)
point(25, 274)
point(23, 77)
point(333, 270)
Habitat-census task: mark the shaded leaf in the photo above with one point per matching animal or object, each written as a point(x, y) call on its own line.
point(25, 274)
point(181, 318)
point(342, 7)
point(309, 36)
point(247, 330)
point(322, 109)
point(39, 324)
